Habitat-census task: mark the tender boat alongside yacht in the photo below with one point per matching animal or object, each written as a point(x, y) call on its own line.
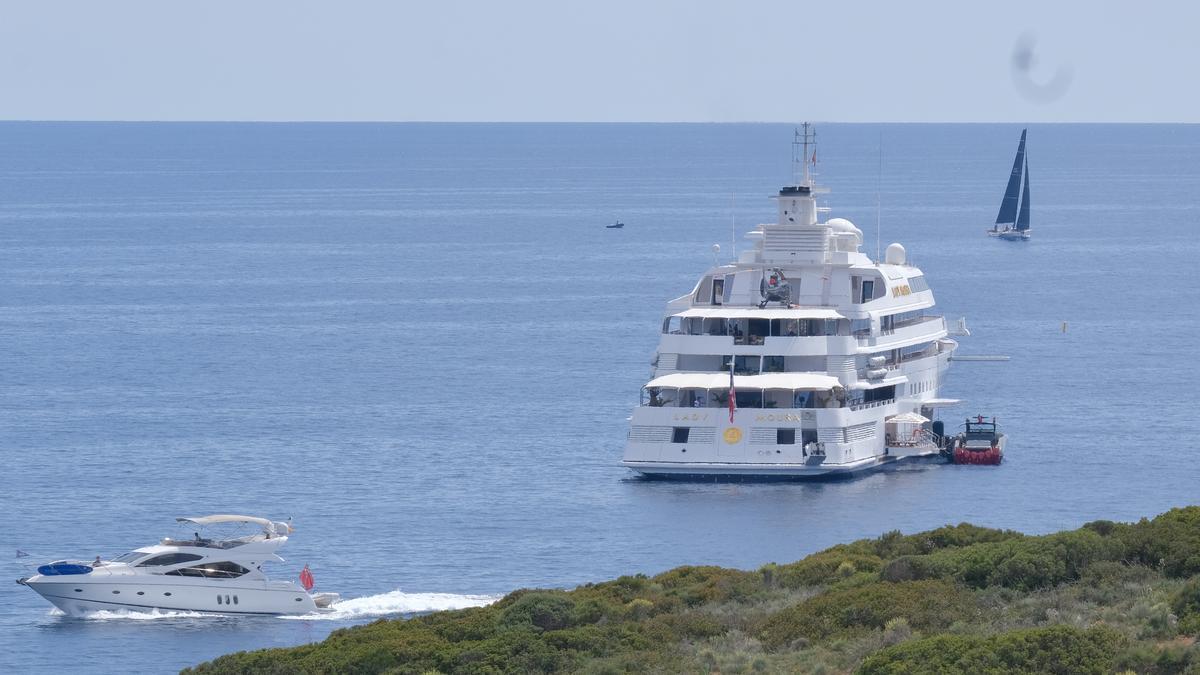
point(804, 358)
point(199, 574)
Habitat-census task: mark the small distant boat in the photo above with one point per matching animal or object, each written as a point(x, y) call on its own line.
point(1012, 223)
point(615, 226)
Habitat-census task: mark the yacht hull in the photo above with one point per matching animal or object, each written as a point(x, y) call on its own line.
point(1014, 235)
point(760, 472)
point(80, 596)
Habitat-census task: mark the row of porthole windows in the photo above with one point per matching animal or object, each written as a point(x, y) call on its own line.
point(226, 600)
point(80, 590)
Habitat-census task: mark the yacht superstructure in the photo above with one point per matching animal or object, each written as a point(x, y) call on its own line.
point(802, 358)
point(197, 574)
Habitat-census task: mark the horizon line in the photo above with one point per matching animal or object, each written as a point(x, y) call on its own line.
point(564, 122)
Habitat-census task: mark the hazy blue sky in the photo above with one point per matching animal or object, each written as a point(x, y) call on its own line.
point(602, 60)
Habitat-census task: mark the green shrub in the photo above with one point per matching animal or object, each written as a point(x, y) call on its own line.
point(1170, 542)
point(1021, 563)
point(699, 585)
point(925, 605)
point(1166, 659)
point(820, 569)
point(541, 610)
point(1056, 649)
point(1186, 605)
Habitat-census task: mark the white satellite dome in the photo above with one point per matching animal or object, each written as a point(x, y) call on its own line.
point(843, 225)
point(895, 255)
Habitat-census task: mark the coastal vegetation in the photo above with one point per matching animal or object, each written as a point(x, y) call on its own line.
point(1105, 598)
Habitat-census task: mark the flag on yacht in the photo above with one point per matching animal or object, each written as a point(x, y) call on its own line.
point(732, 393)
point(306, 578)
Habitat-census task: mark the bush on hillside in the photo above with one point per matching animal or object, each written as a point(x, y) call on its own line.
point(1057, 650)
point(924, 605)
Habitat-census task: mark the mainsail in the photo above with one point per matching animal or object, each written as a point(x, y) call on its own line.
point(1023, 216)
point(1008, 207)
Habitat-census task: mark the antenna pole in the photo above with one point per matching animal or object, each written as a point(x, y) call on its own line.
point(804, 156)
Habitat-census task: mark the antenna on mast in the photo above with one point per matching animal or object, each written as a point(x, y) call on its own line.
point(800, 156)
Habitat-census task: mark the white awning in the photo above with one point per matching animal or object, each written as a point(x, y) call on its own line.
point(754, 313)
point(812, 381)
point(907, 418)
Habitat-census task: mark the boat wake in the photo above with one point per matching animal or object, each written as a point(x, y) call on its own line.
point(397, 602)
point(132, 615)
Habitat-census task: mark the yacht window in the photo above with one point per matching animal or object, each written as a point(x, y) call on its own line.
point(693, 398)
point(759, 328)
point(785, 436)
point(660, 397)
point(802, 399)
point(704, 291)
point(718, 398)
point(715, 327)
point(868, 290)
point(784, 327)
point(728, 288)
point(746, 365)
point(772, 364)
point(749, 398)
point(129, 557)
point(777, 398)
point(679, 435)
point(170, 559)
point(718, 290)
point(673, 325)
point(213, 570)
point(879, 394)
point(693, 325)
point(918, 284)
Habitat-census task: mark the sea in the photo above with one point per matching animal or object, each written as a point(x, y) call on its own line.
point(421, 343)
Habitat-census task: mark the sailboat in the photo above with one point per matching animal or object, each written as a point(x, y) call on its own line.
point(1012, 222)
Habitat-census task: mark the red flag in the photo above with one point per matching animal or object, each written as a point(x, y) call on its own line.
point(732, 393)
point(306, 578)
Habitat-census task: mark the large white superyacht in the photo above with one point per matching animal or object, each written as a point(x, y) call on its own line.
point(804, 358)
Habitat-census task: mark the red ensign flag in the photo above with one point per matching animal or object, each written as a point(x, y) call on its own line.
point(306, 578)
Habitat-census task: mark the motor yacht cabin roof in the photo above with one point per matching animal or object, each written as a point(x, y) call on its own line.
point(753, 313)
point(811, 381)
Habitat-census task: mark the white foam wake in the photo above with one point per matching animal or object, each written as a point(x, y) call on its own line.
point(132, 615)
point(398, 602)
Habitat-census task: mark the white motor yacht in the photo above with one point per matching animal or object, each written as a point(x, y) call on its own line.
point(801, 358)
point(197, 574)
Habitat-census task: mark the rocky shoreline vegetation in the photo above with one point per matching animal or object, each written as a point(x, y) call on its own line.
point(1105, 598)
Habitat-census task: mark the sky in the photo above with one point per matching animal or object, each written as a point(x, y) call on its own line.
point(599, 61)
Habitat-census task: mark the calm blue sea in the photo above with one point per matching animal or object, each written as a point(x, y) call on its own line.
point(420, 342)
